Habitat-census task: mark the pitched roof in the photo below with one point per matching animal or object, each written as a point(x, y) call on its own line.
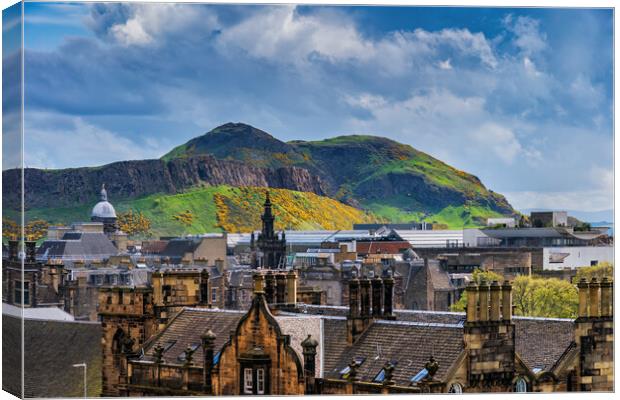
point(186, 328)
point(177, 248)
point(408, 345)
point(78, 246)
point(40, 313)
point(439, 278)
point(52, 347)
point(541, 341)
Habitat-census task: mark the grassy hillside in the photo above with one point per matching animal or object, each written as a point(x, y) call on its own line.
point(217, 208)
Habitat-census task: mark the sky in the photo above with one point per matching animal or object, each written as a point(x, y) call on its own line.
point(521, 98)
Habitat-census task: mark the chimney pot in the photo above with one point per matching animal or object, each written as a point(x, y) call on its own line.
point(495, 301)
point(595, 298)
point(483, 293)
point(472, 301)
point(507, 301)
point(583, 286)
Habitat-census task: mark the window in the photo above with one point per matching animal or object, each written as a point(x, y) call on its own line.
point(456, 388)
point(214, 294)
point(593, 263)
point(18, 292)
point(521, 386)
point(247, 380)
point(419, 376)
point(260, 381)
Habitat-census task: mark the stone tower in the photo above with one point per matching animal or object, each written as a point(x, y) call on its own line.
point(269, 249)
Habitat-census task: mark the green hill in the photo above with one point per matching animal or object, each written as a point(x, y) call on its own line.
point(219, 208)
point(393, 180)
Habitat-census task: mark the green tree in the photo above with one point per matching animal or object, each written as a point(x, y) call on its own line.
point(544, 297)
point(533, 297)
point(599, 271)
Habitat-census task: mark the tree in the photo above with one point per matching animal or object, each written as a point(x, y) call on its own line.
point(10, 229)
point(134, 223)
point(599, 271)
point(36, 229)
point(544, 297)
point(186, 217)
point(534, 297)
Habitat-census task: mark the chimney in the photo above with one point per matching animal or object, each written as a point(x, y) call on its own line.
point(259, 283)
point(205, 299)
point(377, 297)
point(483, 298)
point(270, 289)
point(219, 264)
point(291, 288)
point(13, 250)
point(31, 251)
point(354, 287)
point(208, 341)
point(280, 288)
point(388, 297)
point(606, 298)
point(309, 346)
point(595, 298)
point(472, 301)
point(507, 301)
point(365, 296)
point(583, 298)
point(495, 301)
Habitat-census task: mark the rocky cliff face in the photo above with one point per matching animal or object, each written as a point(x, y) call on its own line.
point(132, 179)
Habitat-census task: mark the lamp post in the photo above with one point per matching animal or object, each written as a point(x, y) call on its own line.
point(83, 365)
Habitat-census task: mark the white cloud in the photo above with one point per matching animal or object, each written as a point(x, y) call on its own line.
point(442, 123)
point(282, 35)
point(444, 64)
point(529, 39)
point(581, 200)
point(80, 143)
point(149, 23)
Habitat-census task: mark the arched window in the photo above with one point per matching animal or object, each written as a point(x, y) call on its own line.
point(521, 385)
point(456, 388)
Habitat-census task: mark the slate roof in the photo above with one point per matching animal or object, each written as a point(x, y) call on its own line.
point(408, 345)
point(439, 278)
point(52, 347)
point(153, 246)
point(541, 341)
point(78, 246)
point(177, 248)
point(186, 328)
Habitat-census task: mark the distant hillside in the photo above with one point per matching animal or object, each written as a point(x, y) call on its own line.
point(375, 175)
point(391, 179)
point(223, 208)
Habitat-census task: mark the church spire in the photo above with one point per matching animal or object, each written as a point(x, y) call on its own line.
point(268, 218)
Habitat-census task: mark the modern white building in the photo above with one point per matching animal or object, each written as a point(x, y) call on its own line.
point(557, 258)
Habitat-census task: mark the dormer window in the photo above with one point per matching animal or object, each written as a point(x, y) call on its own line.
point(456, 388)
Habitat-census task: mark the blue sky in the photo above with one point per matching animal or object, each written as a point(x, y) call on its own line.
point(522, 98)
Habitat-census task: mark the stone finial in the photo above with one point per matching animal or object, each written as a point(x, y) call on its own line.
point(431, 366)
point(158, 353)
point(388, 379)
point(189, 355)
point(208, 336)
point(353, 371)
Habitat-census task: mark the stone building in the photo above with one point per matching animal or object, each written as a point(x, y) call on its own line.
point(280, 347)
point(268, 249)
point(35, 284)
